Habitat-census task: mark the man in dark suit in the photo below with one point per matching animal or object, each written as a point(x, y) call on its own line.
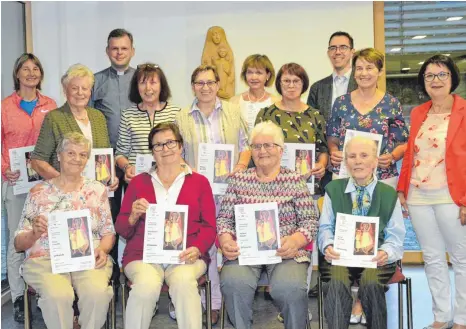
point(323, 93)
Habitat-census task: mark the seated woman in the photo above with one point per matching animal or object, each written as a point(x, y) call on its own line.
point(360, 195)
point(68, 191)
point(268, 182)
point(168, 183)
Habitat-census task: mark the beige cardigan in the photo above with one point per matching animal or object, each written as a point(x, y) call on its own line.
point(233, 123)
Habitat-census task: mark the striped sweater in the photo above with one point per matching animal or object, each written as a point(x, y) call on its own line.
point(296, 209)
point(135, 127)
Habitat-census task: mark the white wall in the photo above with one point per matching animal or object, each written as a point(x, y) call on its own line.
point(172, 34)
point(13, 42)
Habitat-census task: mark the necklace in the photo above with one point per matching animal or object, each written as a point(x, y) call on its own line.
point(257, 99)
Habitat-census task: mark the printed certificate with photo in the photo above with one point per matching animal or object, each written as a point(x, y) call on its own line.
point(20, 159)
point(258, 233)
point(101, 167)
point(301, 158)
point(165, 234)
point(71, 241)
point(215, 161)
point(377, 138)
point(356, 239)
point(143, 163)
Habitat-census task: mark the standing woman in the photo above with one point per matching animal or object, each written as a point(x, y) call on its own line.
point(299, 122)
point(22, 115)
point(371, 110)
point(210, 120)
point(149, 91)
point(257, 72)
point(73, 116)
point(432, 187)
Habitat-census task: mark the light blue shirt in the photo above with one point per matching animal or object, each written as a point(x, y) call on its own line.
point(340, 85)
point(394, 231)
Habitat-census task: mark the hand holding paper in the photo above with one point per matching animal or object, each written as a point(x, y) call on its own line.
point(39, 226)
point(230, 249)
point(381, 258)
point(100, 257)
point(331, 254)
point(12, 176)
point(190, 255)
point(289, 248)
point(139, 208)
point(318, 171)
point(114, 185)
point(336, 157)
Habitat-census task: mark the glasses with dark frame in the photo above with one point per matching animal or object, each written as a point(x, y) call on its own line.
point(171, 144)
point(342, 48)
point(442, 76)
point(208, 83)
point(267, 146)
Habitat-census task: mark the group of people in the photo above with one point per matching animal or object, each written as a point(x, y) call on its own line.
point(130, 111)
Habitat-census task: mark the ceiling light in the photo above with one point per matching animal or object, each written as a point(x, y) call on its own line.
point(417, 37)
point(395, 49)
point(446, 54)
point(405, 69)
point(456, 18)
point(420, 63)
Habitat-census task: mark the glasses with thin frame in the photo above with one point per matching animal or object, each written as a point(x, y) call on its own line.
point(342, 48)
point(266, 146)
point(442, 76)
point(169, 144)
point(288, 82)
point(208, 83)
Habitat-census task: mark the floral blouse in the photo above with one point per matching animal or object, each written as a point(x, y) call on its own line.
point(47, 197)
point(386, 118)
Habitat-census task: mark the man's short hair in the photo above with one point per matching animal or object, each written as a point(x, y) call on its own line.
point(342, 34)
point(118, 33)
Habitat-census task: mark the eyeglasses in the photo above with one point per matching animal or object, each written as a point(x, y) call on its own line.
point(147, 65)
point(287, 82)
point(442, 76)
point(201, 84)
point(170, 145)
point(343, 48)
point(267, 146)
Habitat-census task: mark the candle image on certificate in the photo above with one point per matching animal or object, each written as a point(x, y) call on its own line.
point(103, 168)
point(173, 230)
point(222, 166)
point(79, 237)
point(364, 239)
point(304, 162)
point(266, 230)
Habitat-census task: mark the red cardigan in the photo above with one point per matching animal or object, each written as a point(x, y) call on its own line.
point(455, 158)
point(195, 192)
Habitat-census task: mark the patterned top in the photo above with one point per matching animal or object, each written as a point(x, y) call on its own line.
point(386, 118)
point(298, 127)
point(296, 209)
point(135, 126)
point(47, 197)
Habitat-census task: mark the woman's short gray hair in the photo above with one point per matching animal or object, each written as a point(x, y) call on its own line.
point(76, 139)
point(270, 129)
point(77, 71)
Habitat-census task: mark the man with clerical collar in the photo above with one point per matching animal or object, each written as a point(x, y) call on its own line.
point(110, 96)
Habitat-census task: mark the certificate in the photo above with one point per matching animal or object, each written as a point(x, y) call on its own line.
point(143, 163)
point(300, 157)
point(165, 234)
point(356, 239)
point(377, 138)
point(215, 161)
point(258, 233)
point(71, 241)
point(20, 159)
point(101, 167)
